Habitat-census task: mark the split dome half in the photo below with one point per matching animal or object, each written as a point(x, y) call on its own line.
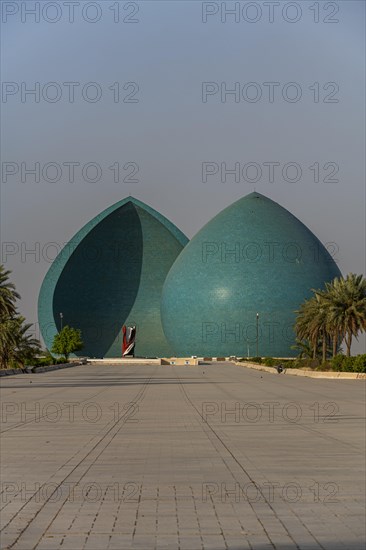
point(199, 298)
point(111, 274)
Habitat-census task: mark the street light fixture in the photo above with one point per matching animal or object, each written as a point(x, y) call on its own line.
point(61, 318)
point(257, 316)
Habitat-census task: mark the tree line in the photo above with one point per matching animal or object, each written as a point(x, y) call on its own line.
point(17, 346)
point(332, 316)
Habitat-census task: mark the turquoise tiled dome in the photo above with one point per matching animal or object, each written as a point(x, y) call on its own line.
point(111, 273)
point(253, 257)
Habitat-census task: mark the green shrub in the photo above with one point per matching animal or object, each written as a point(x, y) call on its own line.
point(49, 358)
point(359, 364)
point(323, 366)
point(32, 362)
point(44, 361)
point(337, 362)
point(341, 363)
point(309, 364)
point(348, 364)
point(14, 365)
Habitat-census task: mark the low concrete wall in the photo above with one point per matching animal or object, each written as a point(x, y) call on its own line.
point(308, 373)
point(36, 370)
point(179, 361)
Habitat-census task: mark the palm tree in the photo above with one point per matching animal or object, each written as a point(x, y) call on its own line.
point(335, 314)
point(347, 299)
point(26, 347)
point(311, 324)
point(304, 348)
point(8, 294)
point(302, 324)
point(7, 341)
point(321, 323)
point(329, 297)
point(15, 344)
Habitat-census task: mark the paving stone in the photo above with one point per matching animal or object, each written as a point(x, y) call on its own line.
point(172, 481)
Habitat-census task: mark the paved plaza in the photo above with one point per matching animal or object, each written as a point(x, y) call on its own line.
point(203, 457)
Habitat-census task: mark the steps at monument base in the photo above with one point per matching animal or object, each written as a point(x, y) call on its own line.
point(125, 361)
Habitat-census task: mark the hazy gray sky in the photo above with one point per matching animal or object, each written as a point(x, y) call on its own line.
point(160, 107)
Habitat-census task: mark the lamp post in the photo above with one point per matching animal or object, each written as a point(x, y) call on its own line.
point(257, 316)
point(61, 319)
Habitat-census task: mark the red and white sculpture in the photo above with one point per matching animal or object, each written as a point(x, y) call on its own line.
point(128, 341)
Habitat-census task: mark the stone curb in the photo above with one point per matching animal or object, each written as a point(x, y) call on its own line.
point(10, 372)
point(308, 373)
point(38, 370)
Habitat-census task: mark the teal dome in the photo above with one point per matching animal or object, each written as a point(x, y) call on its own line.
point(253, 258)
point(111, 273)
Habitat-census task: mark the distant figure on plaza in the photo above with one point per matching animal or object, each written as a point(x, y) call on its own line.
point(128, 341)
point(280, 368)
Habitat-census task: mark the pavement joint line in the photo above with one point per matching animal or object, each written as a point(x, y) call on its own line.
point(244, 471)
point(141, 391)
point(302, 425)
point(21, 424)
